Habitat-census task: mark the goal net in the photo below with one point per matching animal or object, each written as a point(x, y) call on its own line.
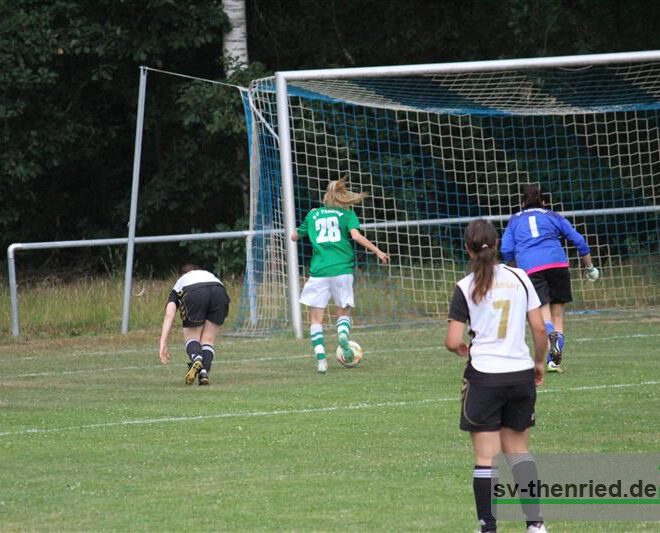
point(440, 145)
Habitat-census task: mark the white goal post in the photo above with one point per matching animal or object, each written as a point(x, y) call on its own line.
point(438, 145)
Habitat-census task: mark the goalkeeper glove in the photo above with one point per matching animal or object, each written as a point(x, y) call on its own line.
point(592, 273)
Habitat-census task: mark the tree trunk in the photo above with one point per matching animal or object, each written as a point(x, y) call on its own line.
point(235, 41)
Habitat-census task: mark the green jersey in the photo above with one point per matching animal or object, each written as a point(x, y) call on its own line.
point(329, 231)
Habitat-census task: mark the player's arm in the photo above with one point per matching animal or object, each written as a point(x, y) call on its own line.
point(168, 320)
point(592, 272)
point(583, 249)
point(575, 237)
point(301, 231)
point(540, 337)
point(454, 339)
point(366, 243)
point(508, 245)
point(459, 314)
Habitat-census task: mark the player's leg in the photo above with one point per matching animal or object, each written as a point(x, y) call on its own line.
point(342, 295)
point(315, 295)
point(216, 312)
point(542, 287)
point(192, 336)
point(481, 414)
point(344, 331)
point(316, 335)
point(517, 419)
point(556, 338)
point(486, 446)
point(193, 313)
point(515, 445)
point(559, 280)
point(207, 340)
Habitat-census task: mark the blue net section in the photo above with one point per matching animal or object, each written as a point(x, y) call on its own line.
point(436, 151)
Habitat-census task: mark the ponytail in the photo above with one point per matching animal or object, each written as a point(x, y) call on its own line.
point(339, 195)
point(532, 196)
point(481, 240)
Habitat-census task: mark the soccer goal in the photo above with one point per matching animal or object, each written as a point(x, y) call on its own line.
point(436, 146)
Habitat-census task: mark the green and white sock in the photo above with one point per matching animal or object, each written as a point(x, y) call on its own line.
point(316, 335)
point(344, 331)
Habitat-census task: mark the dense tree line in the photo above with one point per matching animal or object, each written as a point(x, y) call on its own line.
point(69, 80)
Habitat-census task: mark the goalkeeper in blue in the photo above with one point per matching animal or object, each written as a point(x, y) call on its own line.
point(534, 238)
point(331, 230)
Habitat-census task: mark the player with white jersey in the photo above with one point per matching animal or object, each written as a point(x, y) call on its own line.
point(331, 230)
point(534, 238)
point(203, 304)
point(498, 396)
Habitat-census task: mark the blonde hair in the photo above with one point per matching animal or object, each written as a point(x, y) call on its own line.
point(338, 195)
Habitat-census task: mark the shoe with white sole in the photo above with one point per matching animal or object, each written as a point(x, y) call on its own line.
point(322, 366)
point(554, 367)
point(537, 527)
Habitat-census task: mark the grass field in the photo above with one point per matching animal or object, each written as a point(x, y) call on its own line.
point(96, 435)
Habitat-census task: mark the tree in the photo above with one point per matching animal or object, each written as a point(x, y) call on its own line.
point(235, 40)
point(69, 73)
point(236, 57)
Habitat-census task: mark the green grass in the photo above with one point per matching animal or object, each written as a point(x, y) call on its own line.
point(87, 306)
point(54, 307)
point(96, 435)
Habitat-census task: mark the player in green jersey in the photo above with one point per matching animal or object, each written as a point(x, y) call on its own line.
point(331, 230)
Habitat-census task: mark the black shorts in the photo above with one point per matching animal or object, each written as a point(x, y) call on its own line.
point(490, 408)
point(208, 302)
point(553, 285)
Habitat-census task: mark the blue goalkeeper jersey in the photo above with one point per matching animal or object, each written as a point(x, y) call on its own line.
point(534, 238)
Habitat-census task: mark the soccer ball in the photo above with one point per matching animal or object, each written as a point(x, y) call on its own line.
point(357, 355)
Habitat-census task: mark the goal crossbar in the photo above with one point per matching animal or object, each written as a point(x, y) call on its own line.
point(574, 61)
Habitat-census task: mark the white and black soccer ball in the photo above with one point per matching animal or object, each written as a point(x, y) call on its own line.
point(357, 355)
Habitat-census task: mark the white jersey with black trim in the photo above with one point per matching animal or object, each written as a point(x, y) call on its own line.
point(498, 321)
point(193, 278)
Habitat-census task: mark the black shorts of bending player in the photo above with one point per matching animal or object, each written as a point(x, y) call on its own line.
point(490, 408)
point(198, 304)
point(553, 285)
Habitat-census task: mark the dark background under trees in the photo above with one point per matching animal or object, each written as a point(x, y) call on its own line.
point(69, 73)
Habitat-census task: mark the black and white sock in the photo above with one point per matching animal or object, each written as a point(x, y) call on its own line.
point(525, 474)
point(482, 477)
point(193, 349)
point(207, 356)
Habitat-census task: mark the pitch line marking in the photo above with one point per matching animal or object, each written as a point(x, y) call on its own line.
point(285, 412)
point(154, 351)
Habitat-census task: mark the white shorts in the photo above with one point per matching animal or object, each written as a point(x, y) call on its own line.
point(317, 291)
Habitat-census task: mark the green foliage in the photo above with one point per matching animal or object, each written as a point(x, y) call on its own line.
point(69, 76)
point(226, 257)
point(372, 32)
point(69, 71)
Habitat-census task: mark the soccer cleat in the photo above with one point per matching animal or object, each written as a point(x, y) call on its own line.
point(555, 351)
point(553, 367)
point(203, 377)
point(322, 366)
point(194, 369)
point(536, 527)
